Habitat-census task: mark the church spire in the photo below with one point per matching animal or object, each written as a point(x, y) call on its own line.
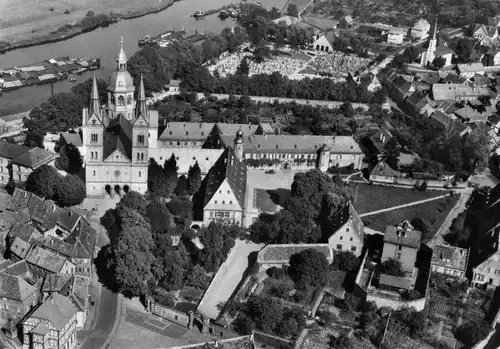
point(434, 37)
point(95, 104)
point(141, 107)
point(121, 60)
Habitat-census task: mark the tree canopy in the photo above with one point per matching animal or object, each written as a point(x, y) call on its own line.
point(346, 261)
point(308, 268)
point(391, 267)
point(194, 179)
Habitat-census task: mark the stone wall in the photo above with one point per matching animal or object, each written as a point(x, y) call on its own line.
point(170, 314)
point(418, 304)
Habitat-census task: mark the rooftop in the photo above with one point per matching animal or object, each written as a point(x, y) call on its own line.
point(19, 200)
point(11, 151)
point(72, 138)
point(57, 309)
point(68, 219)
point(46, 259)
point(34, 158)
point(15, 288)
point(450, 257)
point(275, 254)
point(186, 131)
point(395, 281)
point(20, 248)
point(404, 234)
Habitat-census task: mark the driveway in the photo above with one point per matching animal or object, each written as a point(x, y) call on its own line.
point(227, 278)
point(105, 322)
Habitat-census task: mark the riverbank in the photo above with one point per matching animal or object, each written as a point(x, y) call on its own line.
point(69, 31)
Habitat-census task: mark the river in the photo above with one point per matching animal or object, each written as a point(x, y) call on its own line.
point(104, 43)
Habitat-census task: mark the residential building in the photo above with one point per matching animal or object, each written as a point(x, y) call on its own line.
point(396, 36)
point(491, 58)
point(470, 70)
point(17, 297)
point(420, 29)
point(483, 31)
point(22, 159)
point(418, 102)
point(449, 260)
point(50, 325)
point(402, 243)
point(346, 22)
point(376, 142)
point(458, 92)
point(222, 191)
point(174, 86)
point(347, 230)
point(74, 138)
point(279, 255)
point(42, 262)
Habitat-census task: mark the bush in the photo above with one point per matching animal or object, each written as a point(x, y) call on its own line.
point(244, 325)
point(163, 297)
point(308, 268)
point(67, 12)
point(277, 273)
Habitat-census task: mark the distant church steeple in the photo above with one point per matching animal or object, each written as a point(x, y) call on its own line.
point(141, 107)
point(430, 54)
point(121, 59)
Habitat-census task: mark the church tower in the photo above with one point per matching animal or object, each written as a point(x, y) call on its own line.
point(429, 55)
point(121, 89)
point(239, 144)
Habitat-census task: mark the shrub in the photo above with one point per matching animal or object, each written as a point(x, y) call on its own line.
point(277, 273)
point(67, 12)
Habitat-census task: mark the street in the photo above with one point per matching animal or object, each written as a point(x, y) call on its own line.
point(105, 322)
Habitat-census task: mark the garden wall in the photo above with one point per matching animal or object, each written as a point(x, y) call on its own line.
point(170, 314)
point(431, 183)
point(418, 304)
point(269, 339)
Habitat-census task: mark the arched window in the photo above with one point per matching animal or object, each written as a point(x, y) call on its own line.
point(139, 173)
point(129, 100)
point(94, 172)
point(121, 100)
point(138, 157)
point(142, 156)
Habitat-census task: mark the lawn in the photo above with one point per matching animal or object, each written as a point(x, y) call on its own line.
point(376, 197)
point(434, 212)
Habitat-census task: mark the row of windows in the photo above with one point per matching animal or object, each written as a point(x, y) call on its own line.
point(341, 238)
point(223, 202)
point(94, 155)
point(140, 156)
point(221, 214)
point(280, 156)
point(339, 247)
point(94, 138)
point(447, 271)
point(185, 143)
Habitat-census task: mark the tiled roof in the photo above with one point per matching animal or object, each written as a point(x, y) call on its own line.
point(4, 201)
point(80, 291)
point(231, 129)
point(443, 92)
point(118, 136)
point(26, 232)
point(19, 200)
point(450, 257)
point(276, 254)
point(83, 239)
point(466, 113)
point(342, 217)
point(17, 269)
point(404, 234)
point(395, 281)
point(11, 151)
point(68, 219)
point(421, 24)
point(441, 118)
point(174, 83)
point(443, 50)
point(185, 131)
point(33, 204)
point(383, 169)
point(14, 287)
point(229, 167)
point(471, 67)
point(72, 138)
point(35, 158)
point(57, 309)
point(58, 283)
point(20, 248)
point(7, 220)
point(41, 329)
point(52, 212)
point(46, 259)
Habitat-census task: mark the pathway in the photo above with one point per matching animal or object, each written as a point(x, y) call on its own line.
point(227, 278)
point(403, 206)
point(455, 211)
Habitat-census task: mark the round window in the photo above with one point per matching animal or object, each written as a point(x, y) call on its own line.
point(117, 173)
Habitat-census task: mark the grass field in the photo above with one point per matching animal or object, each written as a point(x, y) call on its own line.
point(434, 212)
point(376, 197)
point(35, 18)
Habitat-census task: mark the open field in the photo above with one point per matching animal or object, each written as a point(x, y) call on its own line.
point(434, 212)
point(375, 197)
point(38, 18)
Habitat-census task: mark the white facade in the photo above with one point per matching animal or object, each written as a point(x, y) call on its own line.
point(322, 44)
point(347, 239)
point(223, 205)
point(395, 37)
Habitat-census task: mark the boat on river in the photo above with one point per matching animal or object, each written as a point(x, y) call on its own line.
point(198, 14)
point(144, 40)
point(224, 14)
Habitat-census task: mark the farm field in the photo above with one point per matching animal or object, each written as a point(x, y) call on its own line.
point(376, 197)
point(38, 18)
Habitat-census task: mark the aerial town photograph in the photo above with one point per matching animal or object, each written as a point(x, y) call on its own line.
point(243, 174)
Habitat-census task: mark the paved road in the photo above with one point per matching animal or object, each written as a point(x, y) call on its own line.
point(105, 321)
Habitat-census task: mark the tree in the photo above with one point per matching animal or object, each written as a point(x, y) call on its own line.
point(308, 268)
point(62, 162)
point(292, 10)
point(475, 152)
point(289, 327)
point(70, 159)
point(34, 139)
point(438, 62)
point(243, 68)
point(244, 324)
point(43, 181)
point(181, 188)
point(170, 169)
point(391, 153)
point(131, 257)
point(158, 184)
point(346, 261)
point(83, 90)
point(11, 186)
point(391, 267)
point(135, 201)
point(194, 179)
point(265, 312)
point(70, 191)
point(197, 278)
point(159, 217)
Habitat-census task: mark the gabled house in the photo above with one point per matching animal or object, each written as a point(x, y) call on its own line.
point(471, 69)
point(42, 262)
point(279, 255)
point(396, 36)
point(491, 58)
point(323, 43)
point(17, 296)
point(418, 102)
point(420, 29)
point(449, 260)
point(347, 231)
point(376, 142)
point(402, 243)
point(222, 193)
point(66, 223)
point(346, 22)
point(52, 324)
point(19, 200)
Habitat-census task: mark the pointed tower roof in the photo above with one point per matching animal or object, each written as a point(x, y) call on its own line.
point(95, 103)
point(434, 36)
point(141, 106)
point(122, 57)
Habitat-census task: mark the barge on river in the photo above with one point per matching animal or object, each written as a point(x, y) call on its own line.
point(44, 72)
